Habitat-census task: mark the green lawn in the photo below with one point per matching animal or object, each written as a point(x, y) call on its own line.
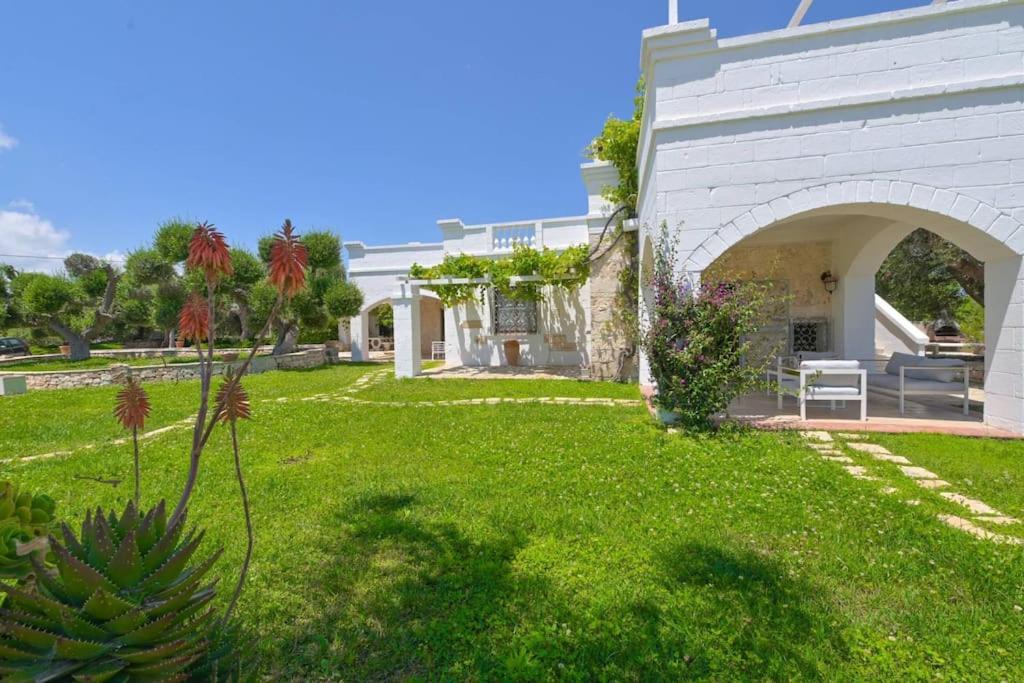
point(526, 541)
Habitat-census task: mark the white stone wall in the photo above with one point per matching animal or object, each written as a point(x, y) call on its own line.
point(916, 116)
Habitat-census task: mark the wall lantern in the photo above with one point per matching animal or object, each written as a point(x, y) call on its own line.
point(830, 281)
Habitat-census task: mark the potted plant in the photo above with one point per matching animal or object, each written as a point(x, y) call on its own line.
point(65, 350)
point(179, 343)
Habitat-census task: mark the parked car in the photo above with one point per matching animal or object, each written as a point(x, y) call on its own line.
point(12, 346)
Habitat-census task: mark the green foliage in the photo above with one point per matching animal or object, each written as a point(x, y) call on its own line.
point(324, 249)
point(618, 144)
point(343, 300)
point(261, 302)
point(43, 295)
point(698, 341)
point(127, 601)
point(916, 278)
point(78, 265)
point(247, 269)
point(149, 267)
point(23, 518)
point(263, 247)
point(568, 269)
point(970, 317)
point(172, 238)
point(385, 316)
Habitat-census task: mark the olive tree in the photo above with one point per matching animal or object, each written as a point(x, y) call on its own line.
point(77, 304)
point(326, 297)
point(153, 289)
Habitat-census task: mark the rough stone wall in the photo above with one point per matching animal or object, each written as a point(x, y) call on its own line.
point(609, 337)
point(116, 373)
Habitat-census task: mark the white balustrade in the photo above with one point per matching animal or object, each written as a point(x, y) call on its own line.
point(506, 237)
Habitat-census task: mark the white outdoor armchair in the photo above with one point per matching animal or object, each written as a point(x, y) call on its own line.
point(833, 380)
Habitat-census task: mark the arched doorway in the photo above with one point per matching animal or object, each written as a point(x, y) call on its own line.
point(841, 228)
point(373, 330)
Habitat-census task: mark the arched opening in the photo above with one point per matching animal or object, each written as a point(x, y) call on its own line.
point(373, 331)
point(796, 245)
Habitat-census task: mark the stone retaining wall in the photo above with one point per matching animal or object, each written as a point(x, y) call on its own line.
point(71, 379)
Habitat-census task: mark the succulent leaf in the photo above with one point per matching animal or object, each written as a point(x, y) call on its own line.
point(104, 615)
point(23, 518)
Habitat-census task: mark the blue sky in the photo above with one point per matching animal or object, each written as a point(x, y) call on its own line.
point(368, 117)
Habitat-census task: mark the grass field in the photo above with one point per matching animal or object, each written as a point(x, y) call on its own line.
point(579, 542)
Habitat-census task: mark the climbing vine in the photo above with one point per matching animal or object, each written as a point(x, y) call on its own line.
point(568, 269)
point(617, 143)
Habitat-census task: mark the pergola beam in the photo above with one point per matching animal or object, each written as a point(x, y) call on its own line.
point(801, 11)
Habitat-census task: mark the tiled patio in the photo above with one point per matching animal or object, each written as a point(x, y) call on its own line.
point(505, 372)
point(936, 414)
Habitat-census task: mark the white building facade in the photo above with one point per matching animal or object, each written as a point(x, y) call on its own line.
point(818, 148)
point(557, 331)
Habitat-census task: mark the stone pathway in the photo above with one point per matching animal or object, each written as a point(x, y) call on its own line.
point(181, 424)
point(830, 449)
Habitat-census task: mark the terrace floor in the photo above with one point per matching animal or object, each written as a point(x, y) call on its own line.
point(936, 415)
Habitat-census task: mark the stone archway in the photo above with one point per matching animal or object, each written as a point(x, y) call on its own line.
point(886, 212)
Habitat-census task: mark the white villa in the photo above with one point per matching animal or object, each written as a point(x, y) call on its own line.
point(786, 155)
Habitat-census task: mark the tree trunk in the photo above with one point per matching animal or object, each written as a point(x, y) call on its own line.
point(79, 343)
point(287, 338)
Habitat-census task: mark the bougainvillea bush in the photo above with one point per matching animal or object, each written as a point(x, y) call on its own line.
point(699, 340)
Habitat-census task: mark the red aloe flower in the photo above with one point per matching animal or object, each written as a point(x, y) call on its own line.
point(232, 402)
point(288, 260)
point(194, 318)
point(131, 407)
point(208, 251)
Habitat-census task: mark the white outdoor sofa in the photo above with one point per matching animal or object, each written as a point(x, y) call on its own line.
point(833, 380)
point(906, 374)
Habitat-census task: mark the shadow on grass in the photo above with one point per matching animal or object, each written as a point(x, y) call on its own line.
point(775, 625)
point(404, 597)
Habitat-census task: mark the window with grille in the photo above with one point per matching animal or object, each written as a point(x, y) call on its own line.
point(512, 316)
point(808, 335)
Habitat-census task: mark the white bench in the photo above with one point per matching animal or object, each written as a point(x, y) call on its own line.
point(906, 374)
point(833, 380)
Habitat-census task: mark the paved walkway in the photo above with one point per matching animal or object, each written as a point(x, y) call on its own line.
point(836, 448)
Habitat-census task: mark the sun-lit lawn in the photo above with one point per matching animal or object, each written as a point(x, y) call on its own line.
point(557, 541)
point(60, 365)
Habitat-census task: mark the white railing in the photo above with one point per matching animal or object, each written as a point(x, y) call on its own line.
point(506, 237)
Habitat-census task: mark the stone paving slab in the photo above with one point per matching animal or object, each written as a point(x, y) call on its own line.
point(969, 527)
point(852, 437)
point(898, 459)
point(975, 506)
point(999, 519)
point(931, 483)
point(838, 458)
point(817, 436)
point(871, 448)
point(918, 473)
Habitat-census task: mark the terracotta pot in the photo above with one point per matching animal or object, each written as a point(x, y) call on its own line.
point(229, 357)
point(65, 349)
point(512, 352)
point(179, 343)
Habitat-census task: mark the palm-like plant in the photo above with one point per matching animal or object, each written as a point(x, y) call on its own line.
point(125, 603)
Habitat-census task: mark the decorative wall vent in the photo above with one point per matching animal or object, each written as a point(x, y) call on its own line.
point(514, 316)
point(809, 334)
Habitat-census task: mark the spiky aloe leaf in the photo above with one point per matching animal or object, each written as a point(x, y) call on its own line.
point(167, 667)
point(78, 650)
point(101, 544)
point(32, 637)
point(9, 650)
point(196, 572)
point(72, 544)
point(170, 570)
point(125, 567)
point(149, 632)
point(80, 580)
point(48, 582)
point(152, 528)
point(104, 605)
point(100, 672)
point(128, 522)
point(163, 548)
point(126, 623)
point(155, 654)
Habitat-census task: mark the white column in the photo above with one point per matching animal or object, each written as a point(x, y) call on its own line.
point(673, 11)
point(405, 303)
point(359, 328)
point(854, 314)
point(1004, 344)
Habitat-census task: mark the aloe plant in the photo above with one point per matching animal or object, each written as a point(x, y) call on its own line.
point(24, 518)
point(125, 603)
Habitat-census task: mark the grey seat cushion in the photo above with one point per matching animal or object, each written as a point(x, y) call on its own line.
point(823, 392)
point(899, 360)
point(887, 382)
